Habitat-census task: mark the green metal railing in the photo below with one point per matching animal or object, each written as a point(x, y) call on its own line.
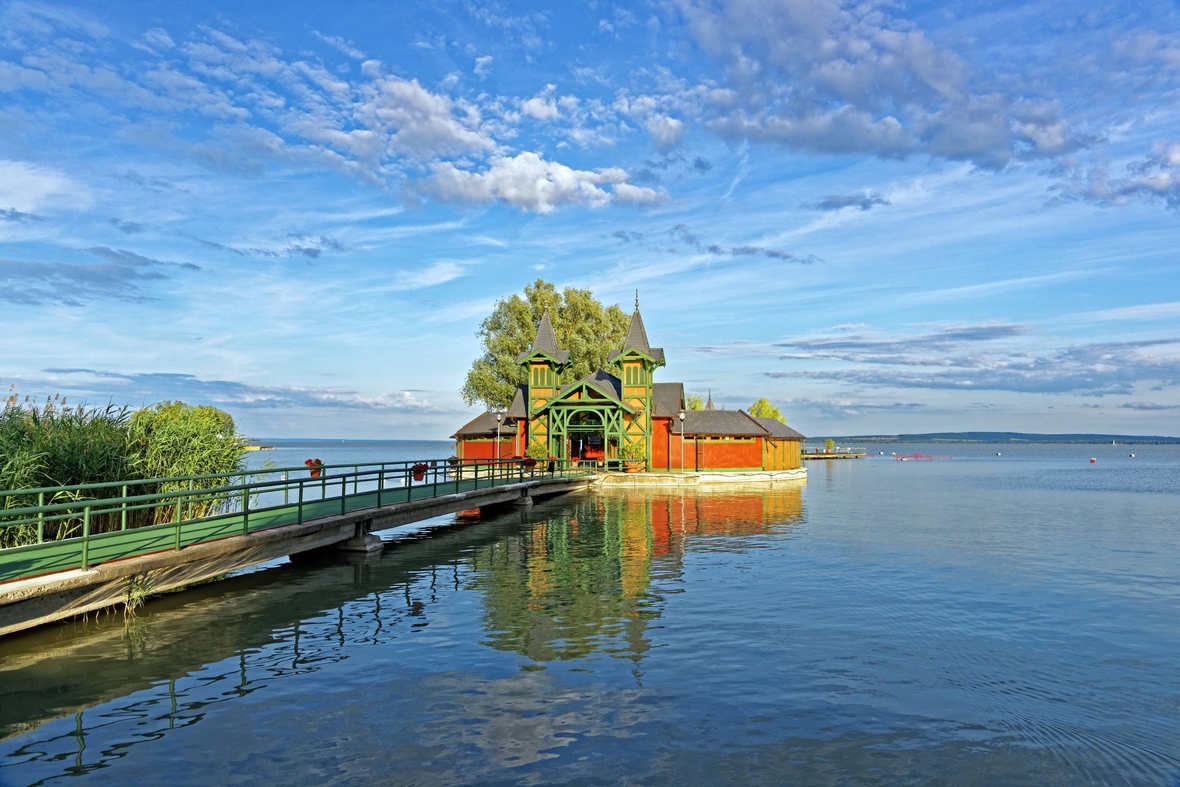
point(78, 527)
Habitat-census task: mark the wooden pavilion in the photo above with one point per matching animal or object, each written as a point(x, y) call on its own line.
point(595, 417)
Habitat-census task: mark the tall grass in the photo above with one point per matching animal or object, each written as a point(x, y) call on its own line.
point(55, 444)
point(175, 439)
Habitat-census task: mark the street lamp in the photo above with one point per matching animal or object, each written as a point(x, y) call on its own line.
point(681, 416)
point(499, 418)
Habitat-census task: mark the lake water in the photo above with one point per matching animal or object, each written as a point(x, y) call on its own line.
point(979, 620)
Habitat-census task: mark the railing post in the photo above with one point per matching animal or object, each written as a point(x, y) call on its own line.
point(41, 518)
point(380, 484)
point(343, 492)
point(356, 479)
point(434, 472)
point(245, 511)
point(123, 515)
point(86, 539)
point(476, 466)
point(286, 487)
point(301, 501)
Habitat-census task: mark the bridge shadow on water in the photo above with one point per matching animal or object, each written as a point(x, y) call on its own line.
point(567, 578)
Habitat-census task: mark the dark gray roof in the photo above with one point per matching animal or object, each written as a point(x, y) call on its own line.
point(779, 430)
point(604, 382)
point(728, 423)
point(667, 399)
point(636, 339)
point(518, 408)
point(484, 425)
point(545, 342)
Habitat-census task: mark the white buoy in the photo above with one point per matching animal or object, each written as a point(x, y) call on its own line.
point(1132, 456)
point(997, 453)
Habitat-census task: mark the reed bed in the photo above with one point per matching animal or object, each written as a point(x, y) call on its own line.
point(54, 444)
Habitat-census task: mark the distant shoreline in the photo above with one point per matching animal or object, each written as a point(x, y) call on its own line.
point(1003, 437)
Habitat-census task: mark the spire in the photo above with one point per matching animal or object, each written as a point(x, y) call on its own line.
point(546, 340)
point(637, 334)
point(709, 404)
point(637, 300)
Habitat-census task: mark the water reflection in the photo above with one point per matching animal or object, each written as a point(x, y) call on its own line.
point(580, 581)
point(571, 579)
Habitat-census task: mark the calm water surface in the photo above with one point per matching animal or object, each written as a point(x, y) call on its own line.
point(978, 620)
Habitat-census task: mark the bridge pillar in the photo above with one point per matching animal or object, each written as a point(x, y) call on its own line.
point(362, 540)
point(365, 543)
point(525, 500)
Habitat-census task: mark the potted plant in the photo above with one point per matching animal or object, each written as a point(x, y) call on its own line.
point(315, 467)
point(419, 471)
point(633, 456)
point(535, 452)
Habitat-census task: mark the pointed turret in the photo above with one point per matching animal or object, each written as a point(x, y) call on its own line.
point(636, 340)
point(546, 339)
point(545, 343)
point(709, 404)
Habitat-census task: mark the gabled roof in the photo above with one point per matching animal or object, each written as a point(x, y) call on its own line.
point(604, 383)
point(518, 408)
point(636, 339)
point(667, 399)
point(484, 425)
point(545, 342)
point(778, 430)
point(724, 423)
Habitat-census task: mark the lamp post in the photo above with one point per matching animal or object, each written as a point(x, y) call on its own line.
point(681, 416)
point(499, 418)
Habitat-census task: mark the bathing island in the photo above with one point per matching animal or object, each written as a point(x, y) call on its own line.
point(626, 421)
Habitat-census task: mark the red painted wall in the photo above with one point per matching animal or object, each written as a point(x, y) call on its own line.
point(487, 449)
point(724, 454)
point(661, 433)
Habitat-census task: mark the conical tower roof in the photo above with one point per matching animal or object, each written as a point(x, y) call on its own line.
point(546, 339)
point(636, 339)
point(545, 342)
point(637, 335)
point(709, 404)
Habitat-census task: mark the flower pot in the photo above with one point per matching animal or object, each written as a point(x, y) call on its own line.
point(633, 467)
point(316, 473)
point(419, 476)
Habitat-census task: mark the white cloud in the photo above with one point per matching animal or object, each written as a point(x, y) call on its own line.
point(531, 183)
point(439, 273)
point(542, 106)
point(28, 187)
point(344, 46)
point(483, 65)
point(417, 123)
point(666, 132)
point(846, 77)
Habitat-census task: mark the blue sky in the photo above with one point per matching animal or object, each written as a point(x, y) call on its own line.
point(885, 217)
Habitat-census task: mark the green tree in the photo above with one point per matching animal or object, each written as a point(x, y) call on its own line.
point(829, 444)
point(582, 325)
point(694, 402)
point(764, 409)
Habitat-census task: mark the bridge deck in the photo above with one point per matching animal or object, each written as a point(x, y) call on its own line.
point(54, 580)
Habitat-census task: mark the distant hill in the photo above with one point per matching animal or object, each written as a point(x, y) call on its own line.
point(999, 437)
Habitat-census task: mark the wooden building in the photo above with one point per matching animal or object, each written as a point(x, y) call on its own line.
point(603, 417)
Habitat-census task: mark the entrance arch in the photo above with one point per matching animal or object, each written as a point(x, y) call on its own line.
point(586, 436)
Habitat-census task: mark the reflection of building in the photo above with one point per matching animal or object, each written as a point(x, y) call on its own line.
point(603, 417)
point(581, 581)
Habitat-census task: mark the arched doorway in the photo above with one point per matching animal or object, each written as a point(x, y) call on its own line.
point(586, 437)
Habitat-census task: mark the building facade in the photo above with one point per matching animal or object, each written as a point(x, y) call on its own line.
point(606, 418)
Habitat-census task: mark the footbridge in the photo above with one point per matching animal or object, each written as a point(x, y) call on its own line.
point(67, 551)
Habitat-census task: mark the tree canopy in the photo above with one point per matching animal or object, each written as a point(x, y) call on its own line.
point(582, 325)
point(694, 402)
point(764, 409)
